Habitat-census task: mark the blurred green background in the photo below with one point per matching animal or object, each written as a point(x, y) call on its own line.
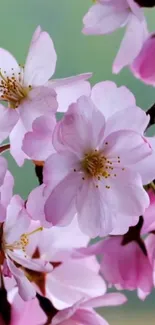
point(76, 54)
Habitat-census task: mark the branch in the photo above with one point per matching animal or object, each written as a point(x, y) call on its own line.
point(151, 112)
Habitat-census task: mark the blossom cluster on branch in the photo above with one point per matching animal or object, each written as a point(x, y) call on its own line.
point(96, 171)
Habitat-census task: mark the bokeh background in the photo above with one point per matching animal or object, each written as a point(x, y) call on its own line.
point(76, 54)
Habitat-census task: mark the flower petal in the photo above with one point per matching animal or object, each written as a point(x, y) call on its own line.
point(16, 140)
point(29, 263)
point(109, 299)
point(131, 118)
point(17, 220)
point(104, 19)
point(25, 288)
point(95, 217)
point(58, 166)
point(35, 204)
point(110, 99)
point(3, 169)
point(63, 213)
point(129, 146)
point(81, 129)
point(8, 119)
point(41, 60)
point(40, 101)
point(8, 64)
point(38, 143)
point(126, 194)
point(71, 281)
point(70, 89)
point(142, 66)
point(131, 46)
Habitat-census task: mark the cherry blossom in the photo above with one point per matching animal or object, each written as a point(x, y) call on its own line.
point(14, 239)
point(104, 17)
point(70, 278)
point(28, 91)
point(93, 164)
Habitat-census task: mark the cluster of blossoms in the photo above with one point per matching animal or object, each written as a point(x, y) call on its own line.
point(96, 171)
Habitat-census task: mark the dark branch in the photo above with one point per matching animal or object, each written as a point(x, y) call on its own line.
point(133, 234)
point(47, 307)
point(151, 112)
point(5, 307)
point(39, 173)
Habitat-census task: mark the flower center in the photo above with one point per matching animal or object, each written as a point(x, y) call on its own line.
point(94, 164)
point(12, 89)
point(22, 242)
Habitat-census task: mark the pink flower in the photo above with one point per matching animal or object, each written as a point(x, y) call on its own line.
point(143, 67)
point(14, 239)
point(93, 171)
point(28, 91)
point(126, 266)
point(82, 312)
point(70, 278)
point(106, 16)
point(118, 106)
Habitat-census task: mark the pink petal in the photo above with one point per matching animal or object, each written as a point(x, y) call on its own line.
point(7, 189)
point(143, 67)
point(71, 281)
point(89, 317)
point(63, 213)
point(35, 205)
point(3, 169)
point(149, 220)
point(38, 143)
point(126, 194)
point(41, 60)
point(25, 288)
point(40, 101)
point(8, 63)
point(17, 220)
point(20, 312)
point(130, 146)
point(58, 166)
point(104, 19)
point(131, 46)
point(82, 124)
point(6, 192)
point(110, 99)
point(146, 169)
point(32, 264)
point(8, 119)
point(122, 227)
point(109, 299)
point(16, 140)
point(63, 240)
point(136, 9)
point(131, 118)
point(65, 315)
point(70, 89)
point(94, 214)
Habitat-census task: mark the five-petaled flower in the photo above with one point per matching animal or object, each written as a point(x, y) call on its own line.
point(93, 171)
point(29, 93)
